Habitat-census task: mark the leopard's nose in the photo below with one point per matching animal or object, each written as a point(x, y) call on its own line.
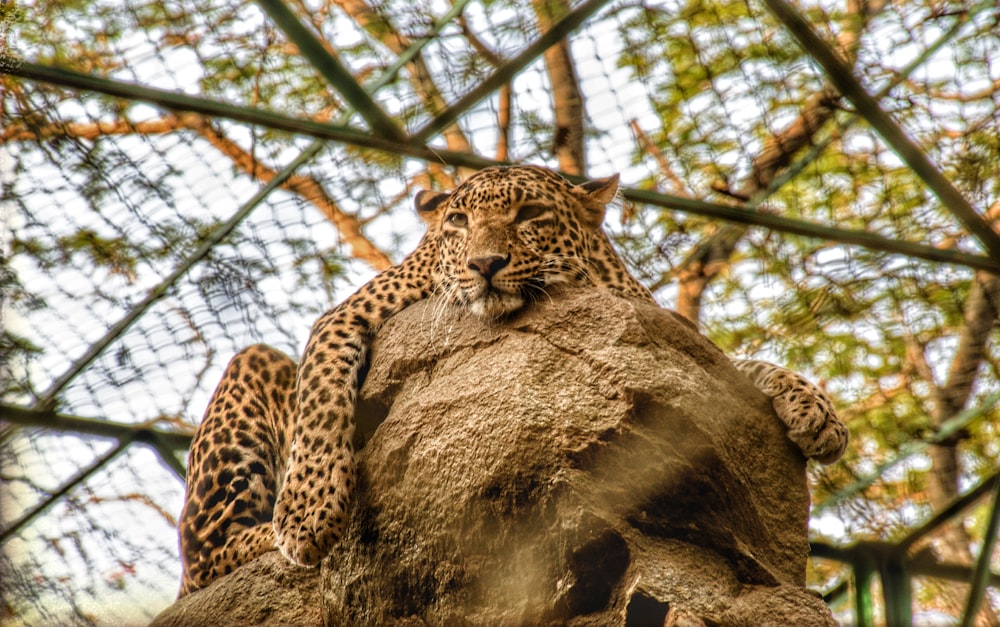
point(489, 265)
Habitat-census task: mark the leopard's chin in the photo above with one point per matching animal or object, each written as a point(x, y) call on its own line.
point(492, 304)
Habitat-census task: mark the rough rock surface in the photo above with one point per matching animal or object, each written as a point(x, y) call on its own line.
point(267, 591)
point(592, 461)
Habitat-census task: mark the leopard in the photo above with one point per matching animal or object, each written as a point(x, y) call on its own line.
point(272, 464)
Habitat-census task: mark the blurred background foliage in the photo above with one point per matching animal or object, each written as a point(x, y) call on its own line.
point(144, 244)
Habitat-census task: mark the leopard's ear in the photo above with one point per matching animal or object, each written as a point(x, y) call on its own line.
point(598, 193)
point(428, 203)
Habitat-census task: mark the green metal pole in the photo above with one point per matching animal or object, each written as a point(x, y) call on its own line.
point(332, 69)
point(179, 101)
point(896, 590)
point(923, 565)
point(783, 224)
point(863, 610)
point(980, 575)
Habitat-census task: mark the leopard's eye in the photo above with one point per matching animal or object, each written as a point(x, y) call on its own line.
point(458, 219)
point(529, 212)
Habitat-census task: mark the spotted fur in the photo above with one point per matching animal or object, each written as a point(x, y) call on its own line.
point(272, 464)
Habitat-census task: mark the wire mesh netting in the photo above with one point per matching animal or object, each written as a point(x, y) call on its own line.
point(181, 180)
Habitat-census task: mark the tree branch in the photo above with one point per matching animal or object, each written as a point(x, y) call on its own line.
point(304, 186)
point(506, 95)
point(677, 185)
point(567, 101)
point(711, 257)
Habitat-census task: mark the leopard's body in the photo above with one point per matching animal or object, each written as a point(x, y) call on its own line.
point(272, 463)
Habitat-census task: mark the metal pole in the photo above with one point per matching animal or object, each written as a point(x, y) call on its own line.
point(863, 608)
point(332, 69)
point(981, 574)
point(896, 590)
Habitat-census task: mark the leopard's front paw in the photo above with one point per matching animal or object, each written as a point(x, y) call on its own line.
point(309, 518)
point(813, 425)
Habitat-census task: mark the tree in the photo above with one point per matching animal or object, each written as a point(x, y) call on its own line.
point(135, 265)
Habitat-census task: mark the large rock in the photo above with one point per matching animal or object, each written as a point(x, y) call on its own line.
point(591, 462)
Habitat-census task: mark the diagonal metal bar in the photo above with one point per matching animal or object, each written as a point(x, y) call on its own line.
point(783, 224)
point(76, 480)
point(949, 512)
point(333, 132)
point(177, 101)
point(47, 401)
point(981, 575)
point(332, 69)
point(868, 107)
point(570, 22)
point(142, 432)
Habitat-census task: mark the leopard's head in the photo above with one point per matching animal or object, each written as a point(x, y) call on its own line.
point(507, 233)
